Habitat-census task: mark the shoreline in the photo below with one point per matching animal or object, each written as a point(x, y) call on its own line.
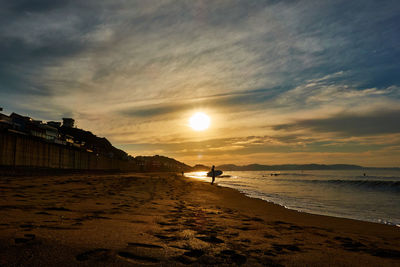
point(252, 193)
point(309, 212)
point(301, 213)
point(154, 219)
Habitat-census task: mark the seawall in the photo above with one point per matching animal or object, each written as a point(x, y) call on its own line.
point(21, 151)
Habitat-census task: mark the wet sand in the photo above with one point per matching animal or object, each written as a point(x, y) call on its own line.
point(169, 220)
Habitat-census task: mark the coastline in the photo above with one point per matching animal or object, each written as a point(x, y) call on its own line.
point(132, 219)
point(314, 213)
point(350, 204)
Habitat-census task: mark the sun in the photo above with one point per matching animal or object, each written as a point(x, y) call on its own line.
point(199, 121)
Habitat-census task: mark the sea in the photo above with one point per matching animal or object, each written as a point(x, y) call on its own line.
point(371, 195)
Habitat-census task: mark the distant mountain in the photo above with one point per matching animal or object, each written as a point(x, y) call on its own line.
point(200, 167)
point(259, 167)
point(161, 163)
point(229, 167)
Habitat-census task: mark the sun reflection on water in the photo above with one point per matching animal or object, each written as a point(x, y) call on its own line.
point(198, 175)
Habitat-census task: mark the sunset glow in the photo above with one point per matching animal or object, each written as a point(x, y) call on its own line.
point(262, 132)
point(199, 121)
point(289, 82)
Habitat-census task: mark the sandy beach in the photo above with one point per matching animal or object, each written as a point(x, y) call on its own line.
point(164, 219)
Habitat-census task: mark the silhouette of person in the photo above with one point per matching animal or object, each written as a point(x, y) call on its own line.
point(213, 174)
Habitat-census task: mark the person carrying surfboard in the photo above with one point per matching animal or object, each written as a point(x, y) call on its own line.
point(213, 174)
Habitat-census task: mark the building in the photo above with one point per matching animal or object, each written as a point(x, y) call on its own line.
point(55, 124)
point(4, 117)
point(21, 122)
point(5, 121)
point(68, 122)
point(51, 133)
point(36, 130)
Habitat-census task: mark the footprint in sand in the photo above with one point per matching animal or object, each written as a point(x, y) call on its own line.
point(143, 245)
point(184, 259)
point(267, 235)
point(356, 246)
point(27, 238)
point(245, 228)
point(138, 221)
point(194, 253)
point(385, 253)
point(137, 258)
point(165, 223)
point(96, 254)
point(171, 230)
point(285, 248)
point(58, 209)
point(142, 253)
point(233, 256)
point(166, 237)
point(43, 213)
point(210, 239)
point(27, 225)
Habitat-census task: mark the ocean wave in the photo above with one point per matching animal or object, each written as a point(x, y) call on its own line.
point(377, 177)
point(293, 174)
point(372, 184)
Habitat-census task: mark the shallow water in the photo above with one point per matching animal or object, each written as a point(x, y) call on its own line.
point(348, 194)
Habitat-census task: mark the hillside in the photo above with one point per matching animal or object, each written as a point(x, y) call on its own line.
point(161, 163)
point(99, 145)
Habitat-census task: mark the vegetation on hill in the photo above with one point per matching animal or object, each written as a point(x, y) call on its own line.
point(99, 145)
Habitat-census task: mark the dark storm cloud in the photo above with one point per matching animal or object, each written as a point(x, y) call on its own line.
point(36, 35)
point(299, 41)
point(35, 5)
point(378, 122)
point(20, 60)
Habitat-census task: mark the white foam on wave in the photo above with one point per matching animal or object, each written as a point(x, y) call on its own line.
point(342, 194)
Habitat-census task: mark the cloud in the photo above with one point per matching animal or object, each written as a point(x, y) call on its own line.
point(134, 70)
point(374, 123)
point(335, 89)
point(238, 101)
point(168, 49)
point(35, 5)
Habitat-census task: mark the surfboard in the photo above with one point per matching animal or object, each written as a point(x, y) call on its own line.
point(216, 172)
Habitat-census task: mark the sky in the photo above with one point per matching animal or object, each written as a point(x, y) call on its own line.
point(282, 81)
